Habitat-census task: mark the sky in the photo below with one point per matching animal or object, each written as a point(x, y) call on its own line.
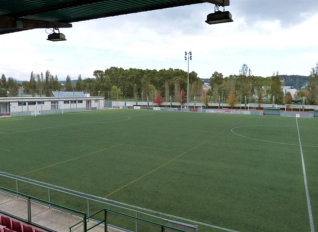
point(267, 35)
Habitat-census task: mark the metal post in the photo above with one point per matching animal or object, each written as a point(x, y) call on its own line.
point(29, 211)
point(87, 207)
point(41, 101)
point(136, 222)
point(73, 100)
point(85, 223)
point(22, 100)
point(219, 102)
point(188, 87)
point(105, 218)
point(49, 195)
point(222, 100)
point(162, 228)
point(99, 102)
point(17, 185)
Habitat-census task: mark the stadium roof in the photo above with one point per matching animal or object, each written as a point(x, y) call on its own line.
point(20, 15)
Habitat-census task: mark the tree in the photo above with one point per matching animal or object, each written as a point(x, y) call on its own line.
point(116, 93)
point(158, 100)
point(276, 90)
point(32, 84)
point(176, 90)
point(3, 86)
point(288, 99)
point(167, 90)
point(135, 92)
point(68, 84)
point(216, 83)
point(47, 87)
point(231, 100)
point(182, 98)
point(313, 86)
point(79, 83)
point(12, 87)
point(205, 99)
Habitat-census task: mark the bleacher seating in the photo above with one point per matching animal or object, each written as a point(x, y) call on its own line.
point(9, 225)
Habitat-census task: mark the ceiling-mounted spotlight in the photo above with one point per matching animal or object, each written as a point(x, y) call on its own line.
point(55, 37)
point(219, 17)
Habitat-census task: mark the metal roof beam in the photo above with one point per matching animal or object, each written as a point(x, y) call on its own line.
point(218, 2)
point(85, 2)
point(7, 22)
point(59, 6)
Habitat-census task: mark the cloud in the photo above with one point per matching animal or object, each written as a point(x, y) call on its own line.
point(288, 12)
point(158, 39)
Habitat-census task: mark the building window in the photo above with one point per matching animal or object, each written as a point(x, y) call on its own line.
point(21, 103)
point(31, 103)
point(80, 101)
point(40, 102)
point(66, 102)
point(73, 102)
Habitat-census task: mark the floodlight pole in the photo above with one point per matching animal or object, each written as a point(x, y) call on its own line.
point(188, 56)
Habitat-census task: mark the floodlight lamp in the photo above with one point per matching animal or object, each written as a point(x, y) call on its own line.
point(219, 17)
point(55, 37)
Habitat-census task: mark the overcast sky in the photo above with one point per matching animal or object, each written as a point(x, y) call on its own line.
point(267, 35)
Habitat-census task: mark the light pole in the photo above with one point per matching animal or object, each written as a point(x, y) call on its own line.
point(188, 57)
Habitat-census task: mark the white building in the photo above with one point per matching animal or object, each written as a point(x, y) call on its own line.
point(61, 102)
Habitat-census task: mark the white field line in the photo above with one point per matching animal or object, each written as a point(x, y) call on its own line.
point(85, 195)
point(262, 140)
point(80, 123)
point(311, 221)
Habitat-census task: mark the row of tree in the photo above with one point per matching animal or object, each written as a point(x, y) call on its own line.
point(118, 83)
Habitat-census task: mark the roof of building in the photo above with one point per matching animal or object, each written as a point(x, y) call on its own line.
point(20, 15)
point(59, 94)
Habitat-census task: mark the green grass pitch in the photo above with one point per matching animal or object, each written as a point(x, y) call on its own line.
point(239, 172)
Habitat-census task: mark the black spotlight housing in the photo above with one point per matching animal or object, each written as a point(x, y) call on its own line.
point(219, 17)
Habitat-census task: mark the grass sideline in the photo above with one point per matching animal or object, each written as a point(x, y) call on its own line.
point(238, 172)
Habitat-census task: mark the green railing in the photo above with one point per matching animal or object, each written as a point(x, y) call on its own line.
point(106, 218)
point(37, 203)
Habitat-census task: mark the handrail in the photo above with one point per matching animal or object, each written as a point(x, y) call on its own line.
point(40, 200)
point(85, 196)
point(30, 198)
point(129, 216)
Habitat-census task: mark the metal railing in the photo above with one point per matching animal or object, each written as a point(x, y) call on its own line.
point(81, 202)
point(107, 214)
point(36, 211)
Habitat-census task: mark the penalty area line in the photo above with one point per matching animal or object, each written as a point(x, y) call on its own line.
point(311, 221)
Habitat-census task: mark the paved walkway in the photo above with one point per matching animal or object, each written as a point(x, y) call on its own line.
point(45, 216)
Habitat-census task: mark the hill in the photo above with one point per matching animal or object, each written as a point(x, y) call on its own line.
point(297, 81)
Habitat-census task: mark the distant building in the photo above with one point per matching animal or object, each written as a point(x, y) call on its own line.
point(206, 87)
point(205, 80)
point(61, 102)
point(290, 89)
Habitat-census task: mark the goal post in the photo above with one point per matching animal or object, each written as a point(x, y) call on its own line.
point(271, 111)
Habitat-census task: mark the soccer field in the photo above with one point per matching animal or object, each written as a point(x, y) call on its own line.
point(232, 172)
